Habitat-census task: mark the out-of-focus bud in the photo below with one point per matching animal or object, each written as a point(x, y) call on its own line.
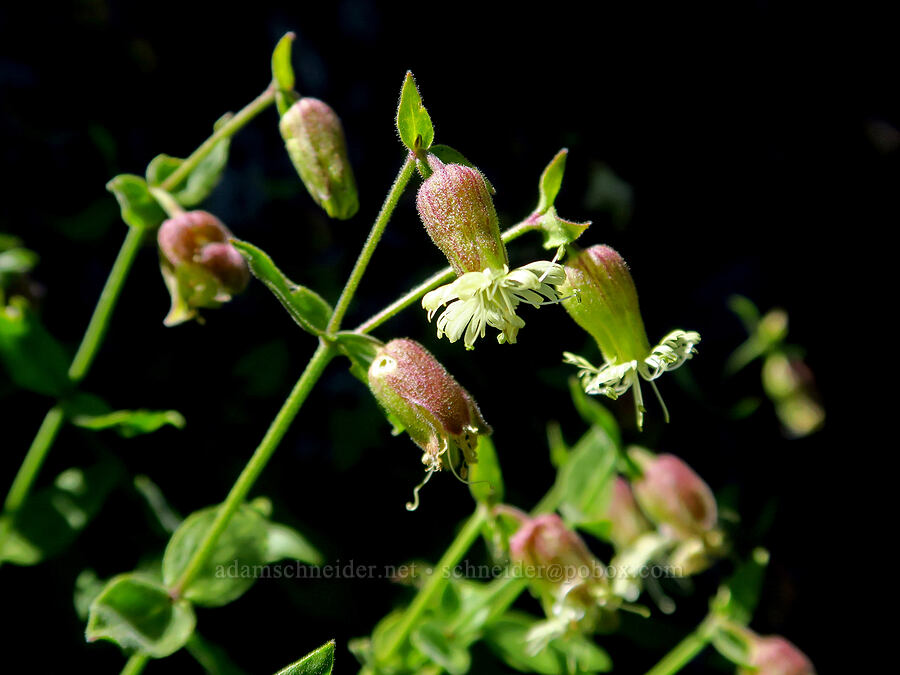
point(627, 523)
point(439, 415)
point(790, 385)
point(200, 268)
point(774, 655)
point(314, 138)
point(570, 581)
point(456, 208)
point(674, 496)
point(600, 296)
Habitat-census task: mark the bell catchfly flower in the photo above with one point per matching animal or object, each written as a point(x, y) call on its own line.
point(599, 294)
point(455, 206)
point(439, 415)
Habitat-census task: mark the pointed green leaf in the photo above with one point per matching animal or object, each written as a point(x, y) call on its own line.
point(485, 477)
point(32, 358)
point(318, 662)
point(283, 542)
point(305, 306)
point(585, 481)
point(558, 232)
point(137, 613)
point(431, 641)
point(52, 518)
point(413, 121)
point(551, 181)
point(738, 597)
point(282, 70)
point(139, 208)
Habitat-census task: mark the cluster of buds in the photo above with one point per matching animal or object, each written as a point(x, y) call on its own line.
point(314, 138)
point(200, 268)
point(570, 581)
point(600, 296)
point(456, 207)
point(439, 415)
point(774, 655)
point(681, 505)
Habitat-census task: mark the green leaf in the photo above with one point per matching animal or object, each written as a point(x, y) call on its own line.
point(283, 542)
point(594, 413)
point(139, 208)
point(558, 232)
point(32, 358)
point(559, 451)
point(360, 349)
point(201, 181)
point(129, 423)
point(449, 155)
point(318, 662)
point(249, 542)
point(137, 613)
point(305, 306)
point(52, 518)
point(551, 181)
point(585, 481)
point(738, 597)
point(431, 641)
point(485, 477)
point(283, 74)
point(507, 638)
point(413, 121)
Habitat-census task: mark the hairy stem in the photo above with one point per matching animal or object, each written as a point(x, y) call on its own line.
point(314, 369)
point(384, 216)
point(436, 582)
point(432, 282)
point(686, 650)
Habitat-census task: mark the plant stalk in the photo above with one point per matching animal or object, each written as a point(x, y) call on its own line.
point(686, 650)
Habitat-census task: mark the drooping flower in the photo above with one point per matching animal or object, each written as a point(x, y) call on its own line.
point(200, 268)
point(456, 208)
point(599, 294)
point(775, 655)
point(439, 415)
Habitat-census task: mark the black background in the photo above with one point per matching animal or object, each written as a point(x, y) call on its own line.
point(752, 136)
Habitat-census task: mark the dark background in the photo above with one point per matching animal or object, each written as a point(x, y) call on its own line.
point(758, 147)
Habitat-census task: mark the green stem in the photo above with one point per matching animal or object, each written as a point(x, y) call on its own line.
point(432, 282)
point(686, 650)
point(314, 369)
point(135, 664)
point(228, 129)
point(384, 216)
point(436, 582)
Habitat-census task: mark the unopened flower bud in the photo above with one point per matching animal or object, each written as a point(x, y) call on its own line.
point(200, 267)
point(314, 138)
point(439, 415)
point(674, 496)
point(627, 523)
point(599, 294)
point(774, 655)
point(456, 208)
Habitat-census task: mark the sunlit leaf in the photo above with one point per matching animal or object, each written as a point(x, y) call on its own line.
point(413, 121)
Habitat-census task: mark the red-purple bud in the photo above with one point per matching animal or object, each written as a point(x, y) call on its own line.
point(314, 138)
point(774, 655)
point(627, 523)
point(200, 267)
point(456, 208)
point(439, 415)
point(674, 496)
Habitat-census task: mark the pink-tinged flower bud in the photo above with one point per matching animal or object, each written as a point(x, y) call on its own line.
point(627, 523)
point(602, 299)
point(456, 208)
point(439, 415)
point(314, 138)
point(774, 655)
point(200, 267)
point(673, 496)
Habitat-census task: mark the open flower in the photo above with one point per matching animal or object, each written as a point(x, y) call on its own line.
point(602, 299)
point(455, 206)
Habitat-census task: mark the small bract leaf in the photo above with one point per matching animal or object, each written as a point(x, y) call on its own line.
point(139, 208)
point(551, 181)
point(129, 423)
point(485, 477)
point(32, 358)
point(558, 232)
point(318, 662)
point(282, 71)
point(283, 542)
point(360, 349)
point(305, 306)
point(413, 121)
point(137, 613)
point(431, 641)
